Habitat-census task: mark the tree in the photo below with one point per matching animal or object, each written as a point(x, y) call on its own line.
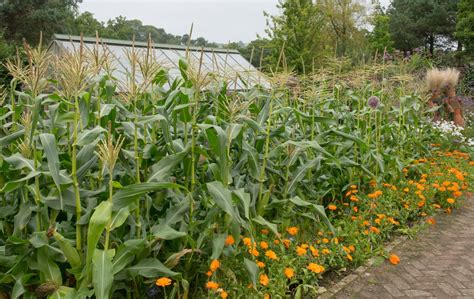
point(25, 19)
point(415, 23)
point(465, 24)
point(343, 17)
point(380, 38)
point(86, 24)
point(296, 37)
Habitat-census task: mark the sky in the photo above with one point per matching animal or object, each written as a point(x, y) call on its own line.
point(216, 20)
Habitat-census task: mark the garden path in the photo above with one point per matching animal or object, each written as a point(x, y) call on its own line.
point(437, 263)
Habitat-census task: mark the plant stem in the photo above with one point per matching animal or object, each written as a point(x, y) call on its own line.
point(74, 176)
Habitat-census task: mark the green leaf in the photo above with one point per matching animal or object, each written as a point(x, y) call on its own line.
point(223, 198)
point(49, 270)
point(317, 208)
point(20, 162)
point(99, 219)
point(102, 273)
point(7, 140)
point(126, 253)
point(262, 221)
point(64, 293)
point(218, 242)
point(88, 136)
point(166, 232)
point(151, 268)
point(301, 172)
point(252, 268)
point(357, 140)
point(119, 218)
point(129, 193)
point(68, 250)
point(164, 167)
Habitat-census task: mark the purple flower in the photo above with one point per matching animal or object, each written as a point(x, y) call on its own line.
point(373, 102)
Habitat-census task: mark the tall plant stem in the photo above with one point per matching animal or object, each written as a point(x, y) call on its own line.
point(37, 191)
point(267, 146)
point(107, 229)
point(74, 175)
point(137, 168)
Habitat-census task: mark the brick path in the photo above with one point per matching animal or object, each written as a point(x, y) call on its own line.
point(437, 263)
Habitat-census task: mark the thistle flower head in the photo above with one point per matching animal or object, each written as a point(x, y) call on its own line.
point(373, 102)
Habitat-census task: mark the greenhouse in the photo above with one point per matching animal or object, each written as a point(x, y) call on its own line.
point(226, 64)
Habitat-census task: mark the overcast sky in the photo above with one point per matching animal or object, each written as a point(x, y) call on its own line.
point(215, 20)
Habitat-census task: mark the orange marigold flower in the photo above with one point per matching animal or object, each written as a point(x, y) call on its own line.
point(264, 245)
point(292, 230)
point(276, 242)
point(356, 209)
point(366, 223)
point(247, 241)
point(211, 285)
point(354, 198)
point(315, 268)
point(457, 194)
point(332, 207)
point(349, 257)
point(289, 273)
point(264, 279)
point(265, 231)
point(436, 206)
point(421, 204)
point(260, 264)
point(374, 230)
point(229, 240)
point(215, 264)
point(352, 248)
point(325, 240)
point(335, 240)
point(451, 200)
point(224, 294)
point(372, 195)
point(300, 251)
point(209, 273)
point(347, 250)
point(254, 252)
point(326, 251)
point(271, 255)
point(314, 251)
point(394, 259)
point(286, 242)
point(353, 187)
point(377, 221)
point(406, 190)
point(266, 296)
point(163, 282)
point(431, 221)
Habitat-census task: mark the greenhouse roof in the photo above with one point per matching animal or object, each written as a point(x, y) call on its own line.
point(226, 64)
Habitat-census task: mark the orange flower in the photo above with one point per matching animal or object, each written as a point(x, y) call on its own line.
point(325, 240)
point(326, 251)
point(314, 251)
point(374, 230)
point(286, 242)
point(394, 259)
point(209, 273)
point(352, 248)
point(356, 209)
point(266, 296)
point(406, 190)
point(276, 242)
point(436, 206)
point(265, 231)
point(247, 241)
point(254, 252)
point(289, 273)
point(260, 264)
point(349, 257)
point(354, 198)
point(224, 294)
point(457, 194)
point(451, 200)
point(264, 279)
point(353, 187)
point(271, 255)
point(431, 221)
point(315, 268)
point(300, 251)
point(163, 282)
point(264, 245)
point(229, 240)
point(215, 264)
point(211, 285)
point(292, 230)
point(332, 207)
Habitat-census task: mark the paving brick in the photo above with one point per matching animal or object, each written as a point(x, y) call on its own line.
point(437, 263)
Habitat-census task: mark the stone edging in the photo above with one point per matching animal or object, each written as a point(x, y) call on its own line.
point(333, 290)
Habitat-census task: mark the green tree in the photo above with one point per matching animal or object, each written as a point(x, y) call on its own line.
point(25, 19)
point(86, 24)
point(465, 24)
point(380, 38)
point(296, 37)
point(415, 23)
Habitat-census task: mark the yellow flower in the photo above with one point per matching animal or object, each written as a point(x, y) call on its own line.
point(264, 279)
point(289, 273)
point(315, 268)
point(325, 240)
point(163, 282)
point(224, 294)
point(292, 230)
point(326, 251)
point(215, 264)
point(247, 241)
point(451, 200)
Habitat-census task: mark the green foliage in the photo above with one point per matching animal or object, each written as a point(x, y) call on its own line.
point(380, 38)
point(465, 24)
point(419, 23)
